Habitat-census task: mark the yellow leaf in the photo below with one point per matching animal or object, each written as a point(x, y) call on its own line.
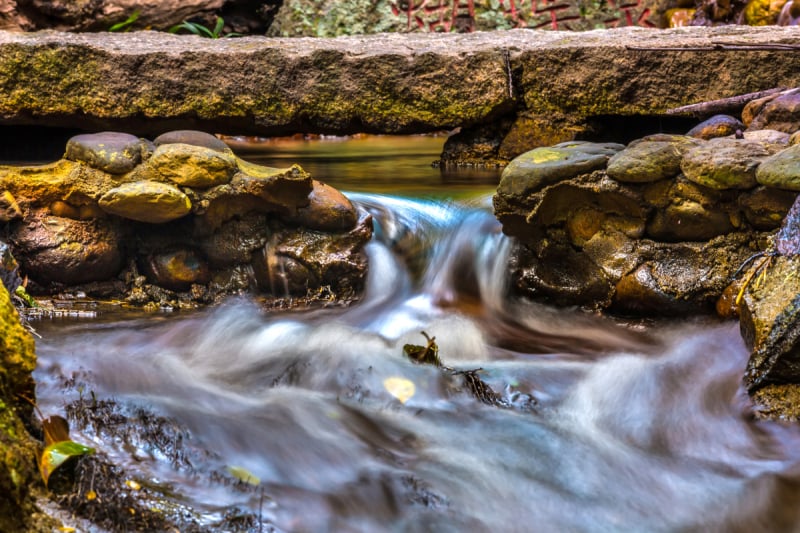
point(57, 454)
point(91, 495)
point(244, 475)
point(401, 388)
point(133, 485)
point(67, 529)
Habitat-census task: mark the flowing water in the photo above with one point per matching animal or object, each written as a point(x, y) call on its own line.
point(599, 426)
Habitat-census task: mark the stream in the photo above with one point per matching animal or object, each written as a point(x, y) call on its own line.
point(316, 421)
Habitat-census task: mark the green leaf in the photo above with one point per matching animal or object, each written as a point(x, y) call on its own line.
point(125, 23)
point(218, 27)
point(244, 475)
point(57, 454)
point(428, 354)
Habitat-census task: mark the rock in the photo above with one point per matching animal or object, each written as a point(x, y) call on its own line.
point(794, 138)
point(781, 113)
point(192, 166)
point(176, 270)
point(646, 161)
point(540, 167)
point(790, 14)
point(782, 170)
point(328, 210)
point(767, 136)
point(762, 12)
point(301, 260)
point(18, 451)
point(235, 240)
point(194, 138)
point(674, 279)
point(61, 250)
point(716, 126)
point(9, 269)
point(765, 207)
point(754, 107)
point(100, 15)
point(112, 152)
point(687, 220)
point(9, 208)
point(725, 163)
point(769, 314)
point(146, 201)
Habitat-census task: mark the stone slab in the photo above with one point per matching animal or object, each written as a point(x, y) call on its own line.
point(148, 82)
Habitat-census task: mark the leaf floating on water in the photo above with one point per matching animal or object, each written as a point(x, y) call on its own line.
point(132, 484)
point(428, 354)
point(244, 475)
point(56, 429)
point(401, 388)
point(57, 454)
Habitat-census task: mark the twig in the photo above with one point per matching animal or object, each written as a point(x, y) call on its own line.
point(726, 105)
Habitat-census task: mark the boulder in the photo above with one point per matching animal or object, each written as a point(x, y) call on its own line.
point(327, 210)
point(62, 250)
point(540, 167)
point(725, 163)
point(146, 201)
point(193, 166)
point(176, 270)
point(716, 126)
point(236, 240)
point(781, 113)
point(109, 151)
point(765, 207)
point(782, 170)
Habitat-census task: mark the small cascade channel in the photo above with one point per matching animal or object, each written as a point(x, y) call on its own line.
point(601, 426)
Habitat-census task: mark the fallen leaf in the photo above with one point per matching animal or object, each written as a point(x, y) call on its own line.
point(57, 454)
point(401, 388)
point(56, 429)
point(132, 484)
point(244, 475)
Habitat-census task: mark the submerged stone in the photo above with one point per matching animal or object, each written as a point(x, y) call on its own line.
point(112, 152)
point(725, 163)
point(146, 201)
point(192, 166)
point(194, 138)
point(534, 170)
point(716, 126)
point(782, 170)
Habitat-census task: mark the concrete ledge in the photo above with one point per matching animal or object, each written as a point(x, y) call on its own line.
point(149, 82)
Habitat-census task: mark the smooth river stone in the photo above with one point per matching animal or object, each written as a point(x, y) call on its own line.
point(193, 137)
point(645, 162)
point(192, 166)
point(716, 126)
point(725, 163)
point(109, 151)
point(540, 167)
point(328, 210)
point(146, 201)
point(782, 170)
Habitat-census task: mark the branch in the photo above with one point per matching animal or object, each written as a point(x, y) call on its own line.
point(726, 105)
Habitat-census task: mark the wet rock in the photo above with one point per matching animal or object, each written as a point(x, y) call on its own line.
point(112, 152)
point(62, 250)
point(9, 208)
point(194, 138)
point(176, 270)
point(312, 259)
point(782, 170)
point(725, 163)
point(765, 207)
point(716, 126)
point(9, 269)
point(781, 113)
point(328, 210)
point(682, 277)
point(540, 167)
point(236, 240)
point(769, 314)
point(146, 201)
point(762, 12)
point(646, 161)
point(556, 273)
point(192, 166)
point(687, 220)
